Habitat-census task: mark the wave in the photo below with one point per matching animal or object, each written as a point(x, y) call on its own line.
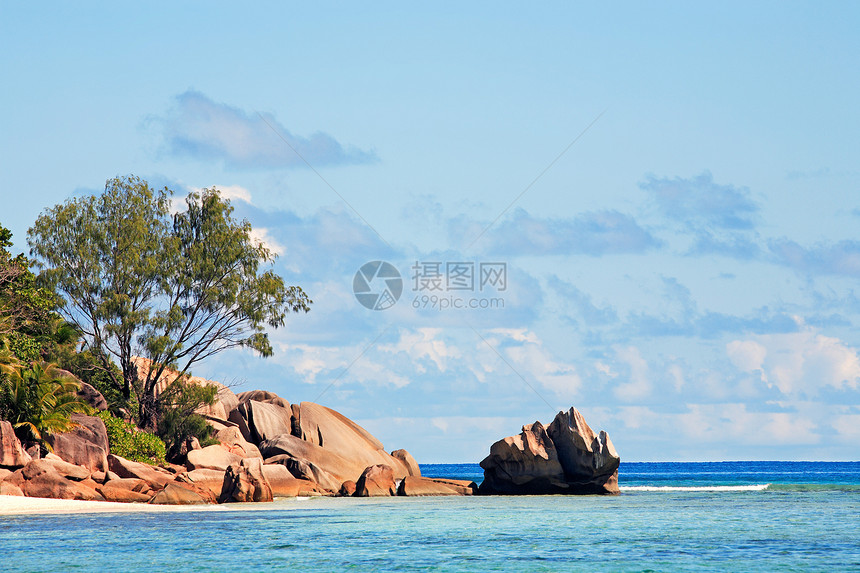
point(754, 487)
point(769, 487)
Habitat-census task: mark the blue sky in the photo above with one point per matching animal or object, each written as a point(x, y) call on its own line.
point(673, 191)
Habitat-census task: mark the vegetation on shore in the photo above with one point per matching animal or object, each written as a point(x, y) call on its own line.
point(123, 275)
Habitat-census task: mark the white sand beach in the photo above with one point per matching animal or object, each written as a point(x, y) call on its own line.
point(16, 505)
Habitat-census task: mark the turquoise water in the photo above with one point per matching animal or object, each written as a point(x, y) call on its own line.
point(808, 521)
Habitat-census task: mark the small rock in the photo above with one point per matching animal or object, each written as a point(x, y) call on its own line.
point(376, 481)
point(347, 489)
point(414, 486)
point(12, 454)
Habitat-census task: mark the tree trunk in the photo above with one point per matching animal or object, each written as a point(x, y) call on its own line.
point(148, 413)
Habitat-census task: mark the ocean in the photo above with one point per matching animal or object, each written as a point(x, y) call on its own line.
point(730, 516)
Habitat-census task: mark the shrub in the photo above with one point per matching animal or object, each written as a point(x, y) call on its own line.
point(126, 441)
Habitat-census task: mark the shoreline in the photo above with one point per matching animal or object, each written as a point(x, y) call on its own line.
point(16, 505)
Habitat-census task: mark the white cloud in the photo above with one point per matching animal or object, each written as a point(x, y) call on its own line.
point(199, 127)
point(677, 375)
point(748, 355)
point(235, 193)
point(734, 423)
point(798, 362)
point(262, 236)
point(638, 384)
point(424, 343)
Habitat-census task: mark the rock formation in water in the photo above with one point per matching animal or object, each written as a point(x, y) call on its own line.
point(566, 457)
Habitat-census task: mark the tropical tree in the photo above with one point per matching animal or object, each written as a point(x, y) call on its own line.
point(175, 289)
point(25, 308)
point(39, 400)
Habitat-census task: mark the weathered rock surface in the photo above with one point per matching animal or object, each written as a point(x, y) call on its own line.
point(283, 483)
point(376, 481)
point(589, 460)
point(322, 464)
point(51, 478)
point(86, 392)
point(180, 494)
point(262, 396)
point(234, 442)
point(302, 469)
point(12, 454)
point(61, 466)
point(85, 445)
point(566, 458)
point(347, 489)
point(7, 488)
point(128, 469)
point(211, 457)
point(213, 480)
point(261, 421)
point(407, 460)
point(339, 435)
point(114, 492)
point(93, 397)
point(245, 481)
point(414, 486)
point(56, 486)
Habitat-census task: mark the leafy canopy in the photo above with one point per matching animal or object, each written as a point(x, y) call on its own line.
point(25, 308)
point(174, 288)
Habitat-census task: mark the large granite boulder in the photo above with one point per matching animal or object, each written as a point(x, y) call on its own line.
point(589, 460)
point(213, 480)
point(86, 392)
point(565, 458)
point(233, 441)
point(93, 397)
point(56, 479)
point(339, 435)
point(155, 477)
point(85, 445)
point(7, 488)
point(305, 470)
point(182, 494)
point(311, 461)
point(12, 454)
point(407, 460)
point(261, 421)
point(246, 481)
point(113, 492)
point(262, 396)
point(376, 481)
point(211, 458)
point(283, 483)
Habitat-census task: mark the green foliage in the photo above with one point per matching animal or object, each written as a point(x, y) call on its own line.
point(178, 418)
point(25, 308)
point(38, 401)
point(126, 441)
point(175, 289)
point(90, 369)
